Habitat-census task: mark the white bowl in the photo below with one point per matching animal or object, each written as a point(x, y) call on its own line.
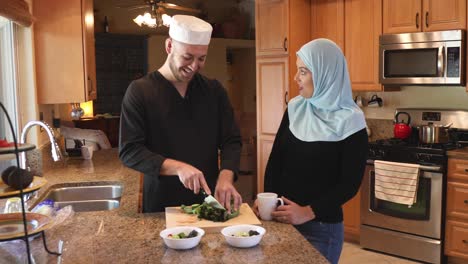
point(242, 242)
point(183, 243)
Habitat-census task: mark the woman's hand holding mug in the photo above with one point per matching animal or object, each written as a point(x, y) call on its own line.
point(265, 204)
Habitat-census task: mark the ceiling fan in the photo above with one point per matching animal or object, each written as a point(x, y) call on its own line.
point(158, 12)
point(161, 5)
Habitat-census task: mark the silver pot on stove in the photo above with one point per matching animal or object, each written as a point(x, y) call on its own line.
point(431, 134)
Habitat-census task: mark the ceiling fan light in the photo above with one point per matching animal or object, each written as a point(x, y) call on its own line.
point(147, 16)
point(166, 20)
point(152, 23)
point(139, 20)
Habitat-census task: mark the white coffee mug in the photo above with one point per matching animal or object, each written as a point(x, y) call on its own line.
point(87, 152)
point(267, 203)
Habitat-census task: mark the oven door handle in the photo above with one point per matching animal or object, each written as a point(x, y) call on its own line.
point(421, 167)
point(430, 168)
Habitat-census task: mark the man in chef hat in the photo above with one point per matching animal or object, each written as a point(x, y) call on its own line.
point(178, 128)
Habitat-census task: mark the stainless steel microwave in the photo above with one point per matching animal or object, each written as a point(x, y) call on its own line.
point(423, 58)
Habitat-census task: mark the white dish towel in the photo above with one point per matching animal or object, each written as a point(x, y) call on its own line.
point(396, 182)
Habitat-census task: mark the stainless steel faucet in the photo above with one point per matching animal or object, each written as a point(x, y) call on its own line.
point(56, 154)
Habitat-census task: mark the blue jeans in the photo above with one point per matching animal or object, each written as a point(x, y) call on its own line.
point(327, 238)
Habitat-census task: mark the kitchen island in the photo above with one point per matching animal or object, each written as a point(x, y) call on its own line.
point(123, 235)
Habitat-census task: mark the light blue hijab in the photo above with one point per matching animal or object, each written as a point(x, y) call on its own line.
point(330, 114)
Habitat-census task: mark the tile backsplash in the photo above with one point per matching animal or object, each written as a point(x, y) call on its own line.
point(442, 97)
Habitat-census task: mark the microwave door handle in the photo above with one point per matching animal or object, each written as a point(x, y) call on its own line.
point(441, 61)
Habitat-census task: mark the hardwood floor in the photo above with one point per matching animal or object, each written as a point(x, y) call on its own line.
point(353, 254)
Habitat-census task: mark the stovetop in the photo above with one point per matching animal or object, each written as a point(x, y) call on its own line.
point(411, 150)
point(412, 145)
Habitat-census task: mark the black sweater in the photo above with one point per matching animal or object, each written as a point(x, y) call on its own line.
point(157, 123)
point(321, 174)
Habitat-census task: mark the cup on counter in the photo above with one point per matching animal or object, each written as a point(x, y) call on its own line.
point(87, 152)
point(267, 203)
point(13, 205)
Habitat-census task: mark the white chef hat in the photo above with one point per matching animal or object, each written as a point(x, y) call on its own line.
point(190, 30)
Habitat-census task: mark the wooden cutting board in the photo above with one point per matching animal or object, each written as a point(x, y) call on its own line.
point(175, 217)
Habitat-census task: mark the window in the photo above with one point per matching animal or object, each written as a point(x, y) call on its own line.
point(7, 81)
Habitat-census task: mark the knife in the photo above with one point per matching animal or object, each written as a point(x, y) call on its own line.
point(209, 199)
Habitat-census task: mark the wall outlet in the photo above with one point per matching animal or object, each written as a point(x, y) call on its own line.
point(56, 122)
point(41, 117)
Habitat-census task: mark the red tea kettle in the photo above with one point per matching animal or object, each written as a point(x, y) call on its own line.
point(401, 129)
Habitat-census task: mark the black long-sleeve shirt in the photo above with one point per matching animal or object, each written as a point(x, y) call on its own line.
point(321, 174)
point(158, 123)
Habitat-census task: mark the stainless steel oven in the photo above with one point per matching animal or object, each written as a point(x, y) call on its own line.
point(415, 232)
point(385, 224)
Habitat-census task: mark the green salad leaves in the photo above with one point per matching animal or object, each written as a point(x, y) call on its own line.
point(209, 212)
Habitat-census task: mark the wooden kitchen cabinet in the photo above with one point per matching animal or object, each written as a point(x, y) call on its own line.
point(456, 229)
point(282, 27)
point(64, 51)
point(355, 25)
point(272, 93)
point(404, 16)
point(363, 27)
point(327, 20)
point(271, 14)
point(352, 218)
point(263, 153)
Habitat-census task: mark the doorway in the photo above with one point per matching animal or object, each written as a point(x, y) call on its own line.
point(241, 86)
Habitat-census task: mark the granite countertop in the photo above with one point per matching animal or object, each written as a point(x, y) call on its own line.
point(458, 153)
point(122, 235)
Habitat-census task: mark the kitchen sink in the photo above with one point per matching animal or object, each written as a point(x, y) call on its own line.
point(85, 196)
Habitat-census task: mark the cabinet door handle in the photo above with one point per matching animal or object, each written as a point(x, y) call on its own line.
point(286, 97)
point(466, 170)
point(427, 19)
point(465, 241)
point(90, 86)
point(285, 44)
point(417, 20)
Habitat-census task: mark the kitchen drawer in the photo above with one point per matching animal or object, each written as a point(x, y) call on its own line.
point(457, 169)
point(456, 239)
point(457, 200)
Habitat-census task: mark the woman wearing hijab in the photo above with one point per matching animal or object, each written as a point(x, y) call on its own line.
point(319, 154)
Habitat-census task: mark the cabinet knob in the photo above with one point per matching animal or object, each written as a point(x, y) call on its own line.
point(427, 19)
point(465, 241)
point(417, 20)
point(465, 201)
point(466, 170)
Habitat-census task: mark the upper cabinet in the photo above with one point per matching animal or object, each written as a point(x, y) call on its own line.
point(272, 27)
point(363, 27)
point(327, 20)
point(403, 16)
point(355, 25)
point(64, 51)
point(282, 27)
